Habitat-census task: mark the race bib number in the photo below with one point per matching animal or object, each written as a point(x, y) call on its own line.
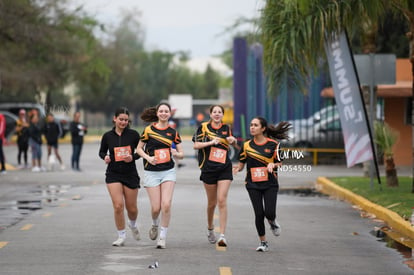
point(218, 155)
point(162, 155)
point(122, 152)
point(259, 174)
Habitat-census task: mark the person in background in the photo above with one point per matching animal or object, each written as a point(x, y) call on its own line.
point(261, 154)
point(22, 127)
point(213, 140)
point(118, 151)
point(77, 130)
point(35, 142)
point(53, 131)
point(159, 172)
point(175, 124)
point(2, 139)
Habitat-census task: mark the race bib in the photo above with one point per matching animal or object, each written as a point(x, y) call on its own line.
point(218, 155)
point(121, 152)
point(162, 155)
point(259, 174)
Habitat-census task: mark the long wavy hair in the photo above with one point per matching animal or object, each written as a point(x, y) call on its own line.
point(279, 131)
point(150, 114)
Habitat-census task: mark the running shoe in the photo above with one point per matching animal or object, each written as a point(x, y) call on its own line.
point(119, 242)
point(263, 247)
point(211, 236)
point(161, 243)
point(153, 233)
point(135, 232)
point(222, 241)
point(275, 227)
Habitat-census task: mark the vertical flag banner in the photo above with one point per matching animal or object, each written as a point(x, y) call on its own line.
point(355, 127)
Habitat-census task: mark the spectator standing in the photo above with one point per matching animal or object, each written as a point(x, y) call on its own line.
point(77, 130)
point(22, 132)
point(53, 131)
point(2, 138)
point(35, 143)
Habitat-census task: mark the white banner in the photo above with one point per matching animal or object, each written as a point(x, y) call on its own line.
point(357, 137)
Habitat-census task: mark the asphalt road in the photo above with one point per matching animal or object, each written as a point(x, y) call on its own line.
point(72, 229)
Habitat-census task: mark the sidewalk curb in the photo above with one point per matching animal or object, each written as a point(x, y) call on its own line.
point(393, 220)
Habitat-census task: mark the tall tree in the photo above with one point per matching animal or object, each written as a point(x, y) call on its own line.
point(42, 45)
point(293, 33)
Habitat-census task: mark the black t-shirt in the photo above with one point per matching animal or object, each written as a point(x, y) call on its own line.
point(257, 157)
point(117, 145)
point(215, 157)
point(158, 143)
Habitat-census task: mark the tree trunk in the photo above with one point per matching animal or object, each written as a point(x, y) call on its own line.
point(369, 39)
point(391, 172)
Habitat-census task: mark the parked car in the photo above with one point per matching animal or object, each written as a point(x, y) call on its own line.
point(326, 133)
point(15, 107)
point(10, 122)
point(324, 113)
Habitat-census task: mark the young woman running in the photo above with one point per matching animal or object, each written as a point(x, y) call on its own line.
point(117, 150)
point(261, 156)
point(212, 140)
point(159, 172)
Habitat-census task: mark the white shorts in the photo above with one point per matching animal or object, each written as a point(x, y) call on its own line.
point(155, 178)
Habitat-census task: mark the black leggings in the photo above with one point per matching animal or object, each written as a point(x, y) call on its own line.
point(22, 149)
point(264, 205)
point(2, 158)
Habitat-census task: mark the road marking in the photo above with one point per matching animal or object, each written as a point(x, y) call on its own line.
point(47, 215)
point(27, 227)
point(3, 244)
point(225, 270)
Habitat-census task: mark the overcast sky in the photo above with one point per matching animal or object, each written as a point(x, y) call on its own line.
point(174, 25)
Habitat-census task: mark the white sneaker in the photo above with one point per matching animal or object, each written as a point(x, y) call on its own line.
point(263, 247)
point(135, 232)
point(222, 241)
point(36, 169)
point(62, 167)
point(211, 236)
point(275, 227)
point(119, 242)
point(161, 243)
point(153, 233)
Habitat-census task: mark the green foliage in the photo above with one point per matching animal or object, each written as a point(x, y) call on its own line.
point(385, 137)
point(398, 199)
point(293, 34)
point(42, 46)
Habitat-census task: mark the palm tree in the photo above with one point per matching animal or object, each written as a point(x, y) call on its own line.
point(294, 33)
point(385, 138)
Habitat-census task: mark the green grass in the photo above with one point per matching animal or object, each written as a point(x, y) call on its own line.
point(398, 199)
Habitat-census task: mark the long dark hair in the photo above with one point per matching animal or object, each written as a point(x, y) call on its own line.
point(150, 114)
point(279, 131)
